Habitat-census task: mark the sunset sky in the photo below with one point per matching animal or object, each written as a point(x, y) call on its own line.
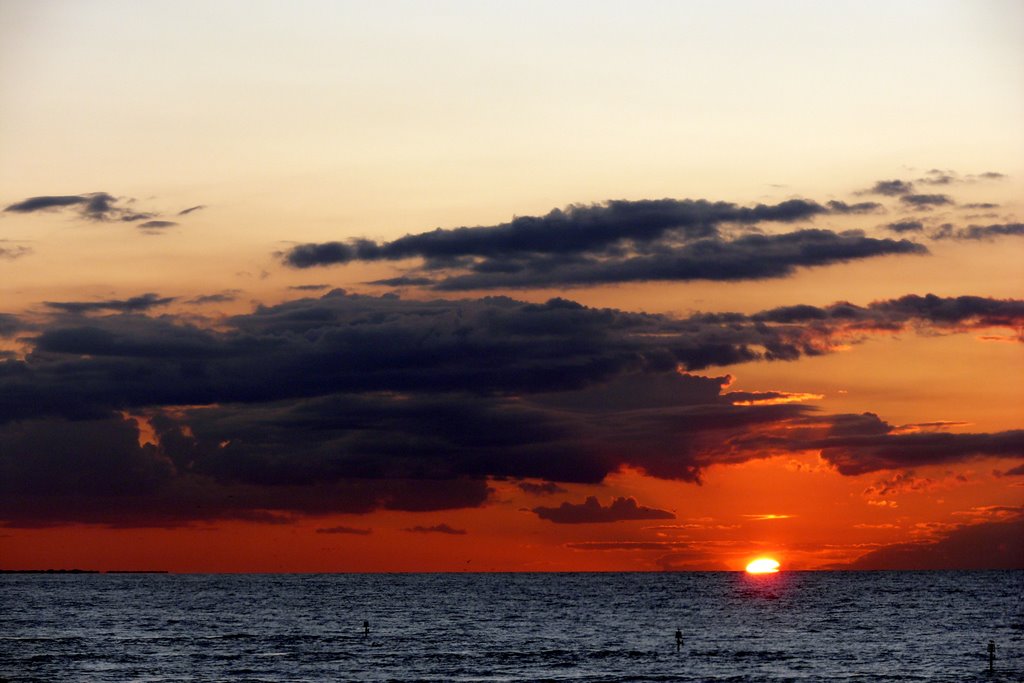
point(532, 286)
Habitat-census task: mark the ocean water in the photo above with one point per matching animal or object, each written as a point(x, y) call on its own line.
point(791, 626)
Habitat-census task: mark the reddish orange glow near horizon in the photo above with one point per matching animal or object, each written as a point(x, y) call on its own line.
point(574, 304)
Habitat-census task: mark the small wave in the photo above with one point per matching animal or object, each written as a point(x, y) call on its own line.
point(627, 654)
point(758, 655)
point(229, 636)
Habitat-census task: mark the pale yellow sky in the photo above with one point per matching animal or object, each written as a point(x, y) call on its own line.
point(382, 118)
point(317, 121)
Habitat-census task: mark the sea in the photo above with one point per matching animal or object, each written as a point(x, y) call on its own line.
point(790, 626)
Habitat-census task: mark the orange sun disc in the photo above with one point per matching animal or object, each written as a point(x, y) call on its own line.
point(763, 565)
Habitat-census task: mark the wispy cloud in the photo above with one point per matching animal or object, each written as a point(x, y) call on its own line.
point(139, 303)
point(926, 201)
point(156, 227)
point(99, 207)
point(592, 512)
point(437, 529)
point(13, 250)
point(981, 232)
point(890, 188)
point(218, 298)
point(356, 531)
point(96, 206)
point(606, 546)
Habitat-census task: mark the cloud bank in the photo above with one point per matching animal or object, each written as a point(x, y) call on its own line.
point(350, 403)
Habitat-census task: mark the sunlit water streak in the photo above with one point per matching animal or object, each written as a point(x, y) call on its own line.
point(803, 626)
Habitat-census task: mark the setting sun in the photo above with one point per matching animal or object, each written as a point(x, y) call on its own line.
point(763, 565)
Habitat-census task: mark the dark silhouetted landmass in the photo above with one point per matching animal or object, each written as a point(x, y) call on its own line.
point(48, 571)
point(83, 571)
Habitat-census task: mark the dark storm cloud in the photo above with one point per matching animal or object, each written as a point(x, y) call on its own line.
point(926, 201)
point(437, 529)
point(592, 512)
point(95, 471)
point(347, 344)
point(343, 343)
point(140, 303)
point(891, 188)
point(350, 343)
point(316, 462)
point(359, 453)
point(345, 530)
point(906, 226)
point(36, 458)
point(989, 545)
point(352, 403)
point(120, 345)
point(385, 437)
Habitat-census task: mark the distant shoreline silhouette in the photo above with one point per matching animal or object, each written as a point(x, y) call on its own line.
point(84, 571)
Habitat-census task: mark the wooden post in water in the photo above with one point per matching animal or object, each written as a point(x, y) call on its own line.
point(991, 655)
